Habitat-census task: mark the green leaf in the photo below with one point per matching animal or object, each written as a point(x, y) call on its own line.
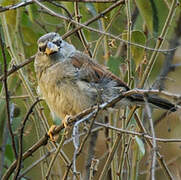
point(146, 12)
point(137, 37)
point(137, 53)
point(154, 13)
point(141, 147)
point(114, 65)
point(9, 153)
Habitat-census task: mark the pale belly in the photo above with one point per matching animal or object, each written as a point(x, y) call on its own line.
point(65, 99)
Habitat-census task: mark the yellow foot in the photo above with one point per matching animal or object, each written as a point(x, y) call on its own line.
point(65, 121)
point(50, 133)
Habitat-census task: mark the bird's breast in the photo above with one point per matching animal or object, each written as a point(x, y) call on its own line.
point(65, 96)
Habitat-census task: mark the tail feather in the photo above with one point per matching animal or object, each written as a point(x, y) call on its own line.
point(154, 100)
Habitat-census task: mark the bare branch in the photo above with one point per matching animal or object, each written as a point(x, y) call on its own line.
point(27, 2)
point(7, 95)
point(17, 67)
point(19, 160)
point(154, 149)
point(96, 30)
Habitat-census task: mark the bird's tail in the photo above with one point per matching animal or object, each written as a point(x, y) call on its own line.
point(155, 101)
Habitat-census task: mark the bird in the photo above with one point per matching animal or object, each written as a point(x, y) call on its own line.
point(70, 81)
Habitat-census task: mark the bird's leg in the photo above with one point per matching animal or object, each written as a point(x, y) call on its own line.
point(53, 127)
point(65, 121)
point(50, 133)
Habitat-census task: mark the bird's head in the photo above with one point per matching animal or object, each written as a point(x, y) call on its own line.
point(52, 45)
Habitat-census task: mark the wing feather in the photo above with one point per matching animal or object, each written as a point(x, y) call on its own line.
point(92, 71)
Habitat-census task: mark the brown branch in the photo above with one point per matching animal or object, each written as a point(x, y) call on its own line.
point(154, 149)
point(133, 133)
point(167, 66)
point(17, 67)
point(160, 159)
point(93, 110)
point(80, 32)
point(44, 139)
point(100, 15)
point(27, 2)
point(7, 95)
point(19, 160)
point(96, 30)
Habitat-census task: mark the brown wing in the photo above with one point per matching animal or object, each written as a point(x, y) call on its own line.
point(94, 72)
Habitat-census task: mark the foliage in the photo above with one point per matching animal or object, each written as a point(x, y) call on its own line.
point(127, 43)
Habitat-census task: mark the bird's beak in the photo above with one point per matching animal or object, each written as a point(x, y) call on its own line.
point(51, 48)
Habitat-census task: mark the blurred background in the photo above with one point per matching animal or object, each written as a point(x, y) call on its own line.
point(152, 24)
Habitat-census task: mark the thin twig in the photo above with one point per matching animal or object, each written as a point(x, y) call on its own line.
point(17, 97)
point(17, 67)
point(54, 157)
point(72, 120)
point(110, 157)
point(80, 32)
point(45, 138)
point(19, 160)
point(167, 66)
point(95, 30)
point(80, 148)
point(7, 96)
point(27, 2)
point(159, 42)
point(133, 133)
point(106, 29)
point(129, 66)
point(173, 96)
point(154, 149)
point(36, 163)
point(160, 159)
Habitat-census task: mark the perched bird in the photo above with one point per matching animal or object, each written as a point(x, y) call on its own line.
point(70, 81)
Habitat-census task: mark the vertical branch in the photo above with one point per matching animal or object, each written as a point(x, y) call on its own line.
point(80, 32)
point(105, 44)
point(153, 166)
point(20, 154)
point(159, 157)
point(7, 96)
point(127, 2)
point(54, 157)
point(167, 65)
point(159, 43)
point(106, 30)
point(110, 157)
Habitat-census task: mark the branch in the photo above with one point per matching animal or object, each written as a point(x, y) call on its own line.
point(154, 149)
point(27, 2)
point(91, 112)
point(7, 95)
point(133, 133)
point(175, 97)
point(44, 139)
point(167, 66)
point(159, 42)
point(96, 30)
point(19, 160)
point(17, 67)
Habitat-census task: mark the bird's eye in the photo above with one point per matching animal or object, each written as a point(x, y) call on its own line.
point(42, 48)
point(58, 43)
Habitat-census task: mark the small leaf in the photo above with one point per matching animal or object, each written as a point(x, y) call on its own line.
point(137, 37)
point(137, 53)
point(9, 153)
point(114, 65)
point(154, 13)
point(146, 12)
point(30, 13)
point(141, 147)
